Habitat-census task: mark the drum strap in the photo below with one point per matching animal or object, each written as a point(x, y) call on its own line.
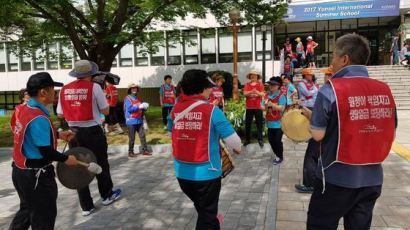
point(187, 110)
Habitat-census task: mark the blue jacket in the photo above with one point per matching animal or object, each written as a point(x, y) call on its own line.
point(129, 109)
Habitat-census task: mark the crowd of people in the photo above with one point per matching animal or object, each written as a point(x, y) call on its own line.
point(343, 174)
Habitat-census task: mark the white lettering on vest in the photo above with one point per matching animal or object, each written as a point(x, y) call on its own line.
point(192, 121)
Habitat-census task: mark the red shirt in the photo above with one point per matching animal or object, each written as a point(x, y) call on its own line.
point(254, 101)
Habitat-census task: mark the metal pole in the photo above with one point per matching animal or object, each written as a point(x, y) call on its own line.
point(235, 94)
point(263, 56)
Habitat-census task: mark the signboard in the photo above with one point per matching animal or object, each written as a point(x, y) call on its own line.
point(342, 10)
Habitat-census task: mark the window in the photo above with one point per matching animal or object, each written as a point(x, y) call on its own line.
point(66, 55)
point(174, 48)
point(141, 56)
point(39, 59)
point(349, 24)
point(52, 56)
point(190, 47)
point(225, 45)
point(2, 58)
point(268, 43)
point(208, 49)
point(12, 58)
point(25, 62)
point(126, 54)
point(157, 58)
point(245, 45)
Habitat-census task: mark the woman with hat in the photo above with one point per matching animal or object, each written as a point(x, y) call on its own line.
point(217, 94)
point(300, 51)
point(275, 103)
point(307, 89)
point(310, 51)
point(134, 119)
point(253, 92)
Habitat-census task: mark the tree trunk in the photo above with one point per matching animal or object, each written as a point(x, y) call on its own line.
point(103, 55)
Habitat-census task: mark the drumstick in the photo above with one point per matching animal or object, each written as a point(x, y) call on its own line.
point(91, 167)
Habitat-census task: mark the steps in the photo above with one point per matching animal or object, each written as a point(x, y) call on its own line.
point(397, 77)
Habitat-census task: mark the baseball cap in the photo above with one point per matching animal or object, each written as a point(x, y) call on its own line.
point(41, 80)
point(275, 81)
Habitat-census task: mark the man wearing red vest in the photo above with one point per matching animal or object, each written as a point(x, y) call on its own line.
point(349, 173)
point(111, 120)
point(197, 127)
point(167, 98)
point(254, 91)
point(35, 142)
point(81, 103)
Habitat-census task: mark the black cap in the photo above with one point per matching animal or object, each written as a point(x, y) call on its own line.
point(275, 81)
point(194, 81)
point(41, 80)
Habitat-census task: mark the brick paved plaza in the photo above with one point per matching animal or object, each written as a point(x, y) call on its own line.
point(256, 195)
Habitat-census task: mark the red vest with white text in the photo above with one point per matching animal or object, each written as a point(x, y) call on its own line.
point(252, 101)
point(20, 120)
point(169, 95)
point(190, 135)
point(77, 101)
point(134, 102)
point(273, 115)
point(217, 93)
point(112, 95)
point(366, 114)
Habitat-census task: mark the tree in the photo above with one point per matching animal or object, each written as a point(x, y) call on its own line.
point(98, 29)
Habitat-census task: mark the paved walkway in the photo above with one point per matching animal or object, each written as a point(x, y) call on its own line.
point(152, 197)
point(255, 195)
point(392, 209)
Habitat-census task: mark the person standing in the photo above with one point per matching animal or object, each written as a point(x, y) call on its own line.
point(35, 143)
point(300, 52)
point(307, 91)
point(254, 91)
point(275, 103)
point(167, 98)
point(289, 89)
point(197, 127)
point(287, 47)
point(288, 67)
point(217, 94)
point(350, 168)
point(111, 120)
point(394, 50)
point(81, 103)
point(134, 109)
point(310, 52)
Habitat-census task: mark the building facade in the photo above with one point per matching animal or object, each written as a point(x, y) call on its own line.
point(207, 45)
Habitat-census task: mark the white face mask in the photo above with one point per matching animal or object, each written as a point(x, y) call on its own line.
point(134, 92)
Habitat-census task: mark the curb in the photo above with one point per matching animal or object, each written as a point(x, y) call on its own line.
point(271, 211)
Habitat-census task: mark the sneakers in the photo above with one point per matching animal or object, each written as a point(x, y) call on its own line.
point(261, 144)
point(221, 219)
point(115, 195)
point(277, 161)
point(132, 154)
point(303, 189)
point(88, 212)
point(146, 153)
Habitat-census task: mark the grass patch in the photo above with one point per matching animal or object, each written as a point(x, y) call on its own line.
point(155, 135)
